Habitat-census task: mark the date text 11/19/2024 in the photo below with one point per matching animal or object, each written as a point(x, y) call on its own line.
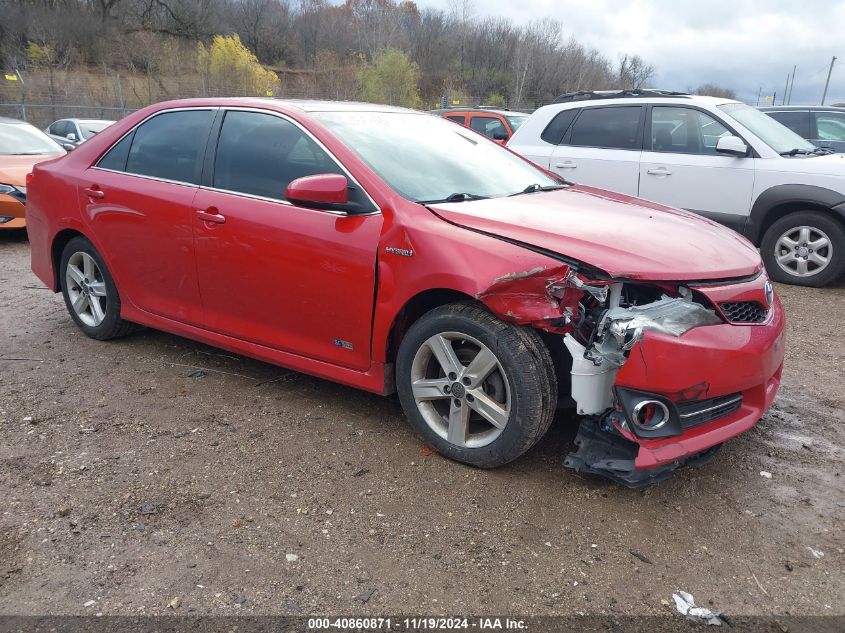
point(416, 624)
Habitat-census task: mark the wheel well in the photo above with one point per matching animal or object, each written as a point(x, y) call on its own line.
point(59, 243)
point(417, 306)
point(782, 210)
point(430, 299)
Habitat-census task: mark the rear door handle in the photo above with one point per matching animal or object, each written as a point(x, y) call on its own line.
point(659, 171)
point(566, 165)
point(211, 215)
point(94, 192)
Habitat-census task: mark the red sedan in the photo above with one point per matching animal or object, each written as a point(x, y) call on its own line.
point(391, 250)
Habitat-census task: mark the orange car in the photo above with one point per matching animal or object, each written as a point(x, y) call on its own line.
point(498, 125)
point(21, 147)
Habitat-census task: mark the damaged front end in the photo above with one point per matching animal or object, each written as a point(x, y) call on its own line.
point(601, 323)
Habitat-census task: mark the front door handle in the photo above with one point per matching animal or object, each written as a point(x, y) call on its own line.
point(211, 215)
point(566, 165)
point(95, 192)
point(659, 171)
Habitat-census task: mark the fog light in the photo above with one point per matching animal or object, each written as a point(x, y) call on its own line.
point(650, 415)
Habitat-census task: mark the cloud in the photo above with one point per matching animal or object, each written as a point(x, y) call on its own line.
point(746, 45)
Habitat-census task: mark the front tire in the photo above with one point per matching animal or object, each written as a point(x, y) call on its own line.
point(89, 291)
point(805, 248)
point(477, 389)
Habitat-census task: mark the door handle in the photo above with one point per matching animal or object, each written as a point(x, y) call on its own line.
point(659, 171)
point(566, 165)
point(211, 215)
point(95, 192)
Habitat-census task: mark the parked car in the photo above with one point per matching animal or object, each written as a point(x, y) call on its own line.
point(21, 147)
point(498, 125)
point(387, 249)
point(716, 157)
point(71, 132)
point(823, 126)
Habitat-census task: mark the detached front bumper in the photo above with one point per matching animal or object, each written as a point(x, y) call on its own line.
point(12, 211)
point(708, 367)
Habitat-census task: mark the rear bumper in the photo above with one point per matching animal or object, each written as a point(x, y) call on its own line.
point(706, 362)
point(11, 213)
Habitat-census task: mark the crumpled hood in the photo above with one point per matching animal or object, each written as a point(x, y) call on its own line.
point(624, 236)
point(13, 169)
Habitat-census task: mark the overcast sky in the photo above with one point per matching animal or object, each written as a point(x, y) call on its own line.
point(741, 44)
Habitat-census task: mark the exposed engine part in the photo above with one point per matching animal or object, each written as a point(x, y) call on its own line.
point(622, 327)
point(611, 332)
point(592, 383)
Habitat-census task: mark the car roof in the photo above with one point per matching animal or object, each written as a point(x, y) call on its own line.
point(10, 121)
point(814, 108)
point(643, 99)
point(93, 120)
point(457, 110)
point(317, 105)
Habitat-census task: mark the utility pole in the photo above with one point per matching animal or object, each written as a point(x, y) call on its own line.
point(785, 90)
point(759, 92)
point(23, 94)
point(792, 84)
point(827, 83)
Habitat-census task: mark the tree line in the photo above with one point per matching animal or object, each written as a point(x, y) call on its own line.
point(382, 50)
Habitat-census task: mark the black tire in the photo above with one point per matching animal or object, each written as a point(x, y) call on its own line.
point(112, 326)
point(522, 356)
point(834, 230)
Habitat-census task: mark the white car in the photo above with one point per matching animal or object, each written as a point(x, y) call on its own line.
point(716, 157)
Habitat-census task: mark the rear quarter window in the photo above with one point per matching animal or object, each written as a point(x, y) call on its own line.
point(557, 127)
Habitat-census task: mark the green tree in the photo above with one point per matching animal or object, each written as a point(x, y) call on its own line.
point(391, 78)
point(230, 68)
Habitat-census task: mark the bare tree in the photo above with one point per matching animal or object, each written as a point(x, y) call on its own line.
point(634, 72)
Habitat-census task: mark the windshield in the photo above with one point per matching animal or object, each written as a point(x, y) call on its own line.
point(779, 137)
point(516, 121)
point(23, 139)
point(427, 158)
point(90, 128)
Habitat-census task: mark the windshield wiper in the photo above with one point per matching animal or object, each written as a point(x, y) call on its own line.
point(456, 197)
point(535, 188)
point(816, 151)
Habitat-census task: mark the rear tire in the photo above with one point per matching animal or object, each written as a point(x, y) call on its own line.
point(496, 398)
point(89, 291)
point(805, 248)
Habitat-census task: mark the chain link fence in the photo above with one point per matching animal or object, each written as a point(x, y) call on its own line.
point(41, 97)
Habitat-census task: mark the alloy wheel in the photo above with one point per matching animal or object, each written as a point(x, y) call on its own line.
point(86, 288)
point(461, 389)
point(803, 251)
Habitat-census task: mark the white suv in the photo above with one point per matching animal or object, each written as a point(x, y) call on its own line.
point(720, 158)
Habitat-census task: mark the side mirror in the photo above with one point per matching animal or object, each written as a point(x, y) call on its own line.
point(321, 191)
point(68, 146)
point(71, 136)
point(500, 136)
point(731, 145)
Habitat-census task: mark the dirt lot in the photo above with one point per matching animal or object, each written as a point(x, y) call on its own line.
point(127, 483)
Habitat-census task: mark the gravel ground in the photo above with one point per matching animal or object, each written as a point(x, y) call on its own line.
point(130, 487)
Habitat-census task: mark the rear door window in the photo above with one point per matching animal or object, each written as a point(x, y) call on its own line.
point(170, 146)
point(608, 128)
point(798, 122)
point(458, 118)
